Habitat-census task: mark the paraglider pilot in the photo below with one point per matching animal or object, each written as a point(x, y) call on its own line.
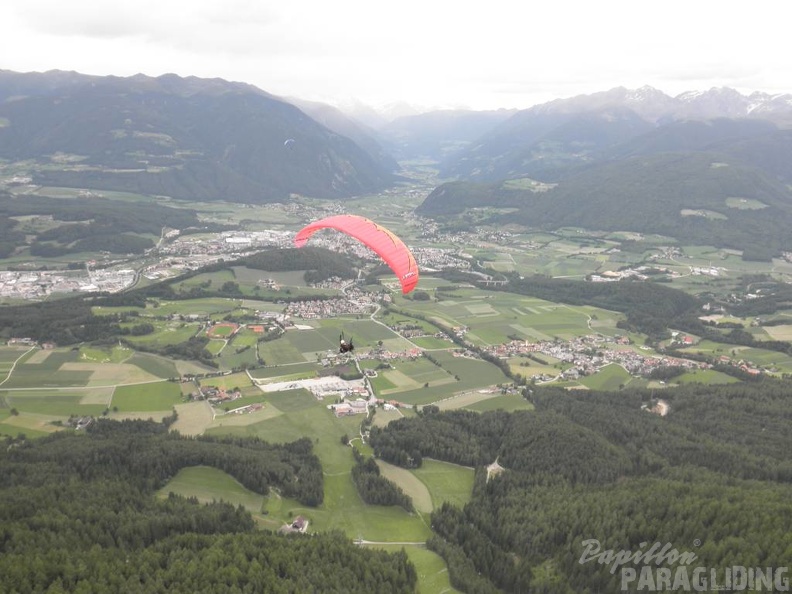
point(344, 346)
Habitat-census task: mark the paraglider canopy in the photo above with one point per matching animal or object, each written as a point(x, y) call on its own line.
point(384, 242)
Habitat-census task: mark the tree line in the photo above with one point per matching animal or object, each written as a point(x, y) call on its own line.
point(374, 488)
point(78, 513)
point(716, 470)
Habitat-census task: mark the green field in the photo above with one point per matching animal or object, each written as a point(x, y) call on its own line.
point(210, 484)
point(454, 375)
point(55, 403)
point(610, 377)
point(44, 369)
point(446, 482)
point(342, 508)
point(245, 338)
point(227, 382)
point(151, 397)
point(507, 402)
point(215, 346)
point(289, 371)
point(705, 376)
point(155, 365)
point(165, 333)
point(492, 318)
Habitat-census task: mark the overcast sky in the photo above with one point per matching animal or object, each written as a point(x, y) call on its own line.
point(431, 53)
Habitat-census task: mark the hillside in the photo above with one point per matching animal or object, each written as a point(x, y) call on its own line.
point(696, 198)
point(712, 476)
point(542, 145)
point(555, 139)
point(187, 138)
point(436, 134)
point(364, 136)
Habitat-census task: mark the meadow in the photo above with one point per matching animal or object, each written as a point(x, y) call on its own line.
point(150, 397)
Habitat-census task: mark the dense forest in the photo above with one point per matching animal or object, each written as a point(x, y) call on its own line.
point(319, 263)
point(689, 196)
point(83, 224)
point(78, 513)
point(716, 471)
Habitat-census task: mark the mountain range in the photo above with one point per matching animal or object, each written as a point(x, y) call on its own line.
point(620, 159)
point(187, 138)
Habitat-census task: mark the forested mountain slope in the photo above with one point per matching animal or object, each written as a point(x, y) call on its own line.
point(186, 138)
point(713, 477)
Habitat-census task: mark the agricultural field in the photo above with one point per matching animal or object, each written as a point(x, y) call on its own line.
point(9, 356)
point(150, 397)
point(495, 317)
point(285, 372)
point(227, 382)
point(422, 382)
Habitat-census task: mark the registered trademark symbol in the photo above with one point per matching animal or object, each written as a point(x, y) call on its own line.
point(697, 543)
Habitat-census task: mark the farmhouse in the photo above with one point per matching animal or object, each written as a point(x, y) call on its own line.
point(299, 524)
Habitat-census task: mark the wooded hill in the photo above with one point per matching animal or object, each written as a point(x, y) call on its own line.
point(713, 477)
point(187, 138)
point(78, 513)
point(83, 224)
point(694, 198)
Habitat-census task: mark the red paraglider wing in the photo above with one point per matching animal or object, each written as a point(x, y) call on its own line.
point(389, 247)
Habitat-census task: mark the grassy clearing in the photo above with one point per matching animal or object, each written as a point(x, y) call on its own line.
point(166, 333)
point(245, 338)
point(102, 395)
point(431, 568)
point(383, 417)
point(277, 371)
point(22, 424)
point(49, 402)
point(227, 382)
point(410, 484)
point(193, 418)
point(155, 365)
point(705, 376)
point(110, 374)
point(342, 508)
point(464, 399)
point(9, 354)
point(507, 402)
point(446, 481)
point(156, 396)
point(197, 307)
point(610, 377)
point(293, 400)
point(209, 484)
point(115, 354)
point(281, 352)
point(33, 376)
point(215, 346)
point(242, 420)
point(432, 343)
